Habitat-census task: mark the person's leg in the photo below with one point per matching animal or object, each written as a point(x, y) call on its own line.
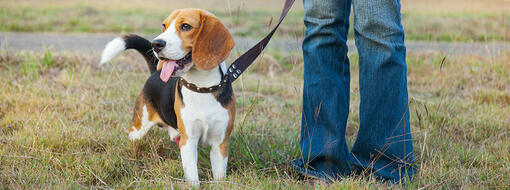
point(326, 88)
point(384, 144)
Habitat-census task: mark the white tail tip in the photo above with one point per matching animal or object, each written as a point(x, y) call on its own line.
point(112, 49)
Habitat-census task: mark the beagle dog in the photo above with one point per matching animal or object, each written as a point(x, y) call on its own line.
point(184, 93)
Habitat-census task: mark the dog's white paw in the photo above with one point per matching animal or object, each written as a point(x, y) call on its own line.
point(135, 134)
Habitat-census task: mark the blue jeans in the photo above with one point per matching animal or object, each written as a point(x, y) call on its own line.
point(384, 143)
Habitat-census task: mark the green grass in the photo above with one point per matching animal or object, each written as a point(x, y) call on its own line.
point(64, 122)
point(86, 18)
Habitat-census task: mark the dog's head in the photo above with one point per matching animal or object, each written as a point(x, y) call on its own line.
point(191, 37)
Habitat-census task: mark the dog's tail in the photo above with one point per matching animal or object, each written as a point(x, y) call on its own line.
point(130, 41)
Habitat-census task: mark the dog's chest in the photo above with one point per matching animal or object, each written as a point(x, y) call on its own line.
point(204, 117)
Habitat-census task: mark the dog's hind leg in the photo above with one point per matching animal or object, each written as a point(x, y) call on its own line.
point(144, 118)
point(174, 134)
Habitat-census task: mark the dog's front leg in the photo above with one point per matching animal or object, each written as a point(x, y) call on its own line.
point(189, 161)
point(219, 160)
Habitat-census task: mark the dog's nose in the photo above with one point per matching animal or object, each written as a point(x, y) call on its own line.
point(158, 45)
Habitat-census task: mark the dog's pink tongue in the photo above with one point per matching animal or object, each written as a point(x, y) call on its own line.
point(167, 70)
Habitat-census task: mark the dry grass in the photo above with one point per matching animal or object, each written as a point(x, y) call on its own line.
point(63, 120)
point(63, 124)
point(453, 6)
point(158, 5)
point(437, 20)
point(421, 6)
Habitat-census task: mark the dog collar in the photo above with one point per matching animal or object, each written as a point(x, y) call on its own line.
point(195, 88)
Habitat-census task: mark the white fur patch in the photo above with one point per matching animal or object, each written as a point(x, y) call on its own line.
point(189, 156)
point(204, 78)
point(173, 48)
point(218, 163)
point(172, 132)
point(204, 117)
point(112, 49)
point(146, 125)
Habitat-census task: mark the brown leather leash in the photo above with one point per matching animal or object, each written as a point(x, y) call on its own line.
point(243, 62)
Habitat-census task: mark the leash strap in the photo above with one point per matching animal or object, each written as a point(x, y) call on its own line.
point(245, 60)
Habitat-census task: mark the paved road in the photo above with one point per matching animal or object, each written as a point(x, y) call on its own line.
point(94, 43)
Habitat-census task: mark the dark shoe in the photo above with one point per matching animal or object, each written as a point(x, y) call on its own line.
point(309, 172)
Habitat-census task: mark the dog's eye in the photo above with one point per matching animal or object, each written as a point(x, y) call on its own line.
point(164, 26)
point(186, 27)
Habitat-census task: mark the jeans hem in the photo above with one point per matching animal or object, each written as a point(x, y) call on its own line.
point(298, 165)
point(360, 166)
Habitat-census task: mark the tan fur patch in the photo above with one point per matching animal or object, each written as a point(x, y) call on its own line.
point(231, 114)
point(178, 105)
point(159, 66)
point(136, 121)
point(212, 44)
point(191, 17)
point(168, 21)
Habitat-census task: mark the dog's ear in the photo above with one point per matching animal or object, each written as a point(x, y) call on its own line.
point(212, 44)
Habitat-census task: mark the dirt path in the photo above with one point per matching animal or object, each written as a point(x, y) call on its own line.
point(94, 43)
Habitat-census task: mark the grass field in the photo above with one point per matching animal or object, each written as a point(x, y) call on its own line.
point(64, 121)
point(456, 20)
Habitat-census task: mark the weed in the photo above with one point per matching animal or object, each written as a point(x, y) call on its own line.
point(67, 129)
